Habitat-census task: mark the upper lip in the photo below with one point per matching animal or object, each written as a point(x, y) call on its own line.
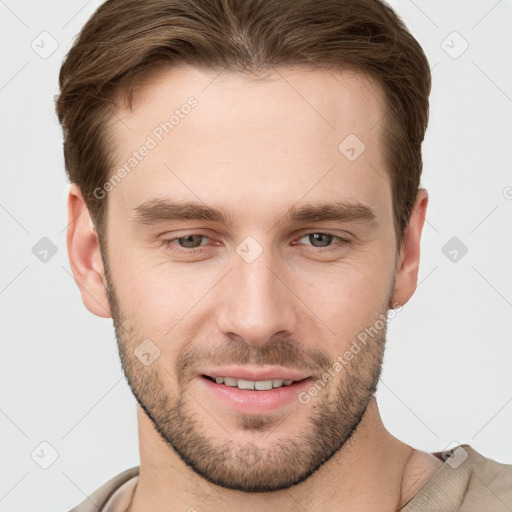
point(246, 373)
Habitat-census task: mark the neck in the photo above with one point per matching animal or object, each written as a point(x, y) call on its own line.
point(368, 473)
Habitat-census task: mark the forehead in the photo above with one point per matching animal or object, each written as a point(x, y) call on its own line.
point(291, 132)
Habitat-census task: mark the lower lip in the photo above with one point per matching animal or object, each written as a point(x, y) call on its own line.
point(252, 401)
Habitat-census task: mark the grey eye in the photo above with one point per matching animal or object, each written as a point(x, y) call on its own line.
point(319, 239)
point(190, 241)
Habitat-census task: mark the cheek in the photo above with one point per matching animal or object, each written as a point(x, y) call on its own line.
point(163, 298)
point(348, 299)
point(160, 296)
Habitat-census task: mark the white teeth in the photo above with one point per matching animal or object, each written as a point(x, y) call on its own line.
point(263, 385)
point(260, 385)
point(245, 384)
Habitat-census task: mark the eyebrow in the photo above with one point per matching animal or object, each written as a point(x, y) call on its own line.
point(157, 211)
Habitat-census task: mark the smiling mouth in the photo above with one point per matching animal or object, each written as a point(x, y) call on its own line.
point(258, 385)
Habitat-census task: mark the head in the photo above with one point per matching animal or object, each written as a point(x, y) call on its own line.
point(246, 199)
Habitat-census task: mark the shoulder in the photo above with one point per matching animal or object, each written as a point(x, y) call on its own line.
point(96, 501)
point(490, 482)
point(465, 481)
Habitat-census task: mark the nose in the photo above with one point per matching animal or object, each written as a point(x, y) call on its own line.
point(258, 302)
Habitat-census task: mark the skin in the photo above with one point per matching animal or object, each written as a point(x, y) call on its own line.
point(256, 148)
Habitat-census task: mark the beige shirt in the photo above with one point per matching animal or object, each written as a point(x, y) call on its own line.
point(466, 482)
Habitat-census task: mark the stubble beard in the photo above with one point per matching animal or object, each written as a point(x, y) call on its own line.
point(246, 462)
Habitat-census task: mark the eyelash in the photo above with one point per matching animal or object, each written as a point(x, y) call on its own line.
point(167, 243)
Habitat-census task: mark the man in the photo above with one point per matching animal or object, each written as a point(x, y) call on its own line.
point(246, 206)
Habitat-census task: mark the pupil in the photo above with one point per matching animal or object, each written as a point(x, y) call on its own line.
point(189, 240)
point(316, 236)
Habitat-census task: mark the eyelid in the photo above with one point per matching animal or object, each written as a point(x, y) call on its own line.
point(326, 231)
point(340, 241)
point(170, 241)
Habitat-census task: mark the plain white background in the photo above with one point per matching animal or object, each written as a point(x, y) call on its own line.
point(447, 373)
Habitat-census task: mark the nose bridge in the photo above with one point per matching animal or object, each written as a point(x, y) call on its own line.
point(257, 303)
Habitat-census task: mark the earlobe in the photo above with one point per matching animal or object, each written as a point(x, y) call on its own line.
point(85, 256)
point(406, 277)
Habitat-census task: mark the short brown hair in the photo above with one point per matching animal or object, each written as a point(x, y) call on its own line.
point(126, 41)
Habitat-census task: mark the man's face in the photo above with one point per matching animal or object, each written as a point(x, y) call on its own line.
point(258, 295)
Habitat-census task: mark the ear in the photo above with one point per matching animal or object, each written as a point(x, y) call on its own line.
point(84, 255)
point(408, 262)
